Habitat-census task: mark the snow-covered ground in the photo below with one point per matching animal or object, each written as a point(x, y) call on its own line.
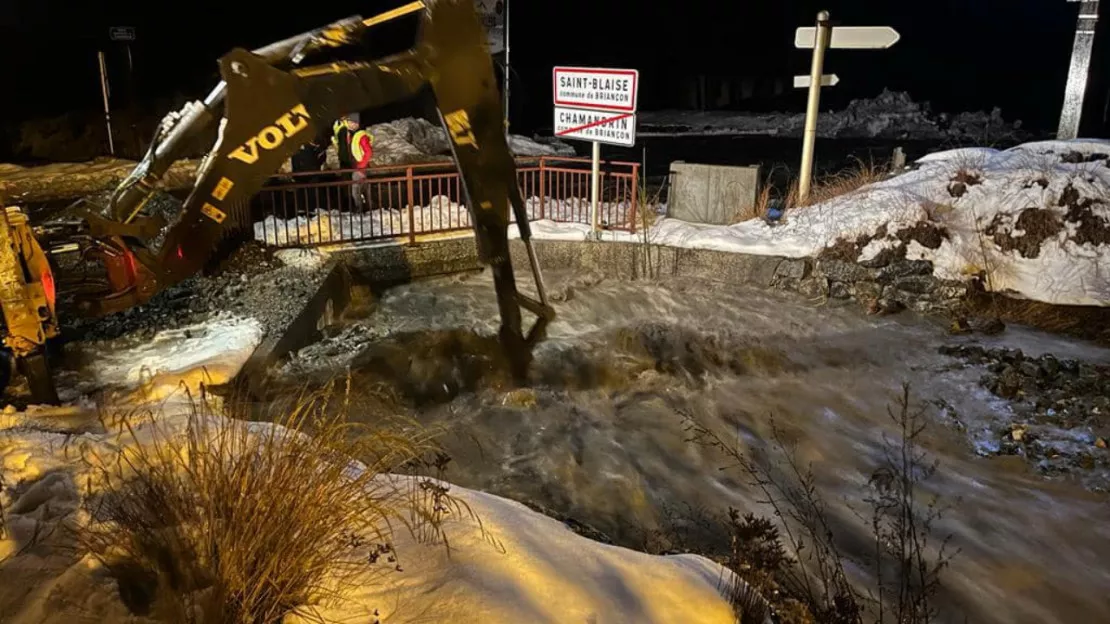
point(539, 572)
point(889, 115)
point(1034, 219)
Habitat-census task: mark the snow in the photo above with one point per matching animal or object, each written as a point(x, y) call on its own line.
point(1066, 268)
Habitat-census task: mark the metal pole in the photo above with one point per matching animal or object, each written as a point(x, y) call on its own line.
point(1078, 72)
point(104, 92)
point(595, 185)
point(817, 69)
point(508, 67)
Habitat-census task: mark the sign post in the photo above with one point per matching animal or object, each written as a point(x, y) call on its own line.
point(1078, 72)
point(820, 38)
point(104, 92)
point(596, 105)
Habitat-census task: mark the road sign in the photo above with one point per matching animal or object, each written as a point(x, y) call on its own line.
point(606, 127)
point(849, 37)
point(122, 33)
point(596, 89)
point(827, 80)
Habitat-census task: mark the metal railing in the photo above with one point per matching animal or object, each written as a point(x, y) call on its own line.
point(413, 202)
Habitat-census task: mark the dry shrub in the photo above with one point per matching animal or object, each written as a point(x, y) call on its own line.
point(814, 584)
point(235, 522)
point(822, 190)
point(842, 183)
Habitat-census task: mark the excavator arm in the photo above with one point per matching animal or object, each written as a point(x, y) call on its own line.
point(271, 107)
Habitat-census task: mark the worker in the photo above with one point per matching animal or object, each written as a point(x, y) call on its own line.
point(341, 139)
point(308, 161)
point(362, 152)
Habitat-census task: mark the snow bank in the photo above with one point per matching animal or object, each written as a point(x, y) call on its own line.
point(1032, 221)
point(517, 566)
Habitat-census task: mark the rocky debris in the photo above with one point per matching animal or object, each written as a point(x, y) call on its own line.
point(895, 286)
point(58, 181)
point(1061, 410)
point(252, 283)
point(890, 115)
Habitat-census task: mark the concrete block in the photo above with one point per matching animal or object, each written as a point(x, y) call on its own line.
point(711, 194)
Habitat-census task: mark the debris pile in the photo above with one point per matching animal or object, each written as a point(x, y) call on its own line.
point(890, 115)
point(1061, 410)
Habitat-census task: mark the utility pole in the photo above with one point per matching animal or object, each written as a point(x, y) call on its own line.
point(508, 67)
point(1080, 67)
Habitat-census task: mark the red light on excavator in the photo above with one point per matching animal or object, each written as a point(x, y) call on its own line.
point(180, 253)
point(132, 271)
point(48, 286)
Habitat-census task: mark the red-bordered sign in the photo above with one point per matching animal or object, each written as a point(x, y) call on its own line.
point(596, 88)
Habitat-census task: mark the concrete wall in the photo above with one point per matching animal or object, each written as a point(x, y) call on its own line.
point(711, 194)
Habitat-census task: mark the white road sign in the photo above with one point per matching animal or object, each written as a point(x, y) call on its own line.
point(596, 88)
point(122, 33)
point(599, 126)
point(849, 37)
point(828, 80)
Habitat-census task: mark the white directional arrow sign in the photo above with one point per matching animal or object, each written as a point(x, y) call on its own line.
point(828, 80)
point(849, 37)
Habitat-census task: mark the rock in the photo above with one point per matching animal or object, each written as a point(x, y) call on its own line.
point(902, 269)
point(1100, 442)
point(916, 284)
point(840, 271)
point(839, 290)
point(793, 269)
point(866, 291)
point(885, 306)
point(814, 287)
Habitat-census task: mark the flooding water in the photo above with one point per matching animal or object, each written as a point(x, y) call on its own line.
point(602, 438)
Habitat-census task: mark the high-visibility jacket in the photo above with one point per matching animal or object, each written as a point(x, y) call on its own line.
point(336, 128)
point(362, 148)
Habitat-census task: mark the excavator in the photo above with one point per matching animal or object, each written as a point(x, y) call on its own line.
point(269, 103)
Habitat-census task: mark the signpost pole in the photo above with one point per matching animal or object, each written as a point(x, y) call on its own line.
point(104, 92)
point(820, 45)
point(1078, 72)
point(595, 186)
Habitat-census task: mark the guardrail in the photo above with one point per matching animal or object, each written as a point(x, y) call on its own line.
point(407, 202)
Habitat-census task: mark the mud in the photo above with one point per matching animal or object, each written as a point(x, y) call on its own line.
point(252, 282)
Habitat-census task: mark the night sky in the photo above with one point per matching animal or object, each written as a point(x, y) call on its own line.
point(958, 54)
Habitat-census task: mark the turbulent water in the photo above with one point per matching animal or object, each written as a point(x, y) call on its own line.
point(604, 438)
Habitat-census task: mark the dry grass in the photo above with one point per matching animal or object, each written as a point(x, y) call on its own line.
point(814, 584)
point(822, 190)
point(235, 522)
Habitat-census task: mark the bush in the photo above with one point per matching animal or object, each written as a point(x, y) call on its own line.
point(236, 522)
point(822, 189)
point(906, 567)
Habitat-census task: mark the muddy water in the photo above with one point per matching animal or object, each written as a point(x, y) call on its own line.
point(602, 439)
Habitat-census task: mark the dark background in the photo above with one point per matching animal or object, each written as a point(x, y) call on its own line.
point(957, 54)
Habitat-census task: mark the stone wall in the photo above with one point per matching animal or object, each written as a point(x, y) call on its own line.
point(900, 283)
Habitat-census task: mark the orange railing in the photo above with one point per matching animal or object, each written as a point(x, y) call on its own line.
point(407, 202)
